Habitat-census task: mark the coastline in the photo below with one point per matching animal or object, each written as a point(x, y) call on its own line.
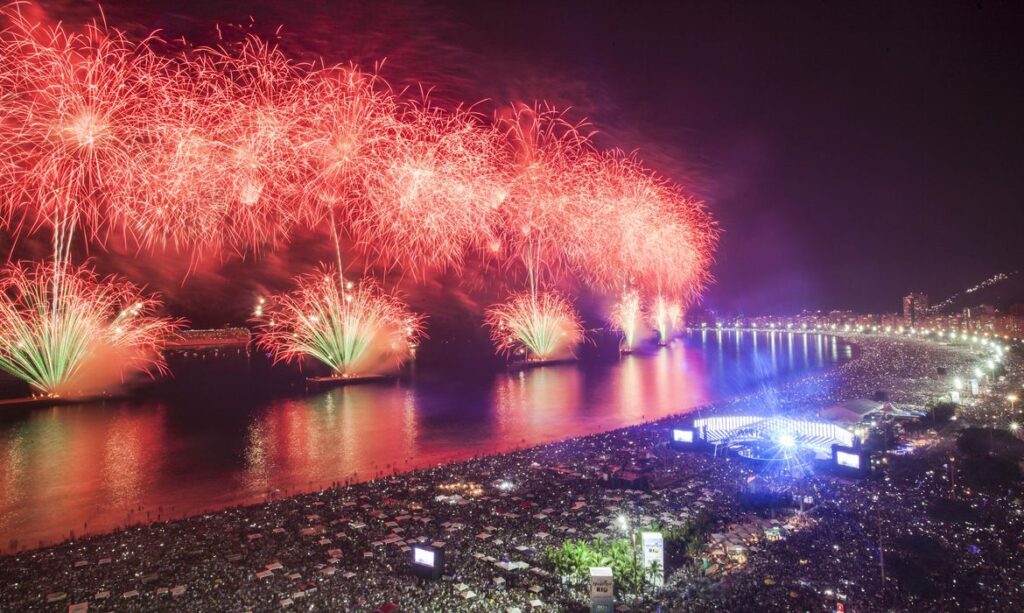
point(381, 502)
point(214, 501)
point(726, 405)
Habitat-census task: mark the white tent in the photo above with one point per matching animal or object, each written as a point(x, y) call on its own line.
point(851, 412)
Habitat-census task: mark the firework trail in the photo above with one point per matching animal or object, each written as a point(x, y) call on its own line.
point(351, 117)
point(545, 199)
point(535, 326)
point(666, 315)
point(80, 335)
point(352, 328)
point(627, 316)
point(75, 107)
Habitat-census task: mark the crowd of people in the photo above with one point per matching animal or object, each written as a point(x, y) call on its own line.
point(917, 533)
point(908, 536)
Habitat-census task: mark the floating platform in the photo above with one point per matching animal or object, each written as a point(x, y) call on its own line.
point(338, 380)
point(535, 363)
point(32, 402)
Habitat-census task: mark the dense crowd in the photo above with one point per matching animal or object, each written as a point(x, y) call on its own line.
point(940, 543)
point(910, 537)
point(347, 548)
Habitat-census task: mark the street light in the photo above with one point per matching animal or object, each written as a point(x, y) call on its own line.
point(1012, 398)
point(623, 522)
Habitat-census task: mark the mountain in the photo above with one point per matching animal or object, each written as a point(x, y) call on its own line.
point(999, 291)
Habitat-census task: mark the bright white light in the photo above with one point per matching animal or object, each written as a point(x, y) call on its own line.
point(787, 441)
point(682, 436)
point(423, 556)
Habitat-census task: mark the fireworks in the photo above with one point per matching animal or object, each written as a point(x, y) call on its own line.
point(540, 326)
point(67, 332)
point(545, 201)
point(436, 191)
point(78, 106)
point(627, 315)
point(352, 328)
point(351, 119)
point(257, 130)
point(230, 149)
point(179, 201)
point(625, 202)
point(666, 316)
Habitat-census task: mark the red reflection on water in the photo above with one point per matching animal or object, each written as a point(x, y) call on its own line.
point(364, 432)
point(348, 433)
point(66, 466)
point(109, 465)
point(553, 403)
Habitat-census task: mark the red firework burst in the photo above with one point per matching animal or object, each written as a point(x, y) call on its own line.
point(228, 149)
point(352, 118)
point(544, 154)
point(256, 92)
point(78, 108)
point(434, 192)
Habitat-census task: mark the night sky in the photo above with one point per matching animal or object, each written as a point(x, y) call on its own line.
point(850, 151)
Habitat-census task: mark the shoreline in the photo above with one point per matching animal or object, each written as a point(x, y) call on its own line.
point(275, 532)
point(148, 514)
point(295, 490)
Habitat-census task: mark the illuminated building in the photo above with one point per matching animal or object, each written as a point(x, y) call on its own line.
point(914, 306)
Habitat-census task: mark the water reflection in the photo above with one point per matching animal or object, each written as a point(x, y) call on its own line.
point(97, 466)
point(60, 461)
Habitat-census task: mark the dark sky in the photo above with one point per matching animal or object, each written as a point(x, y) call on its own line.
point(851, 151)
